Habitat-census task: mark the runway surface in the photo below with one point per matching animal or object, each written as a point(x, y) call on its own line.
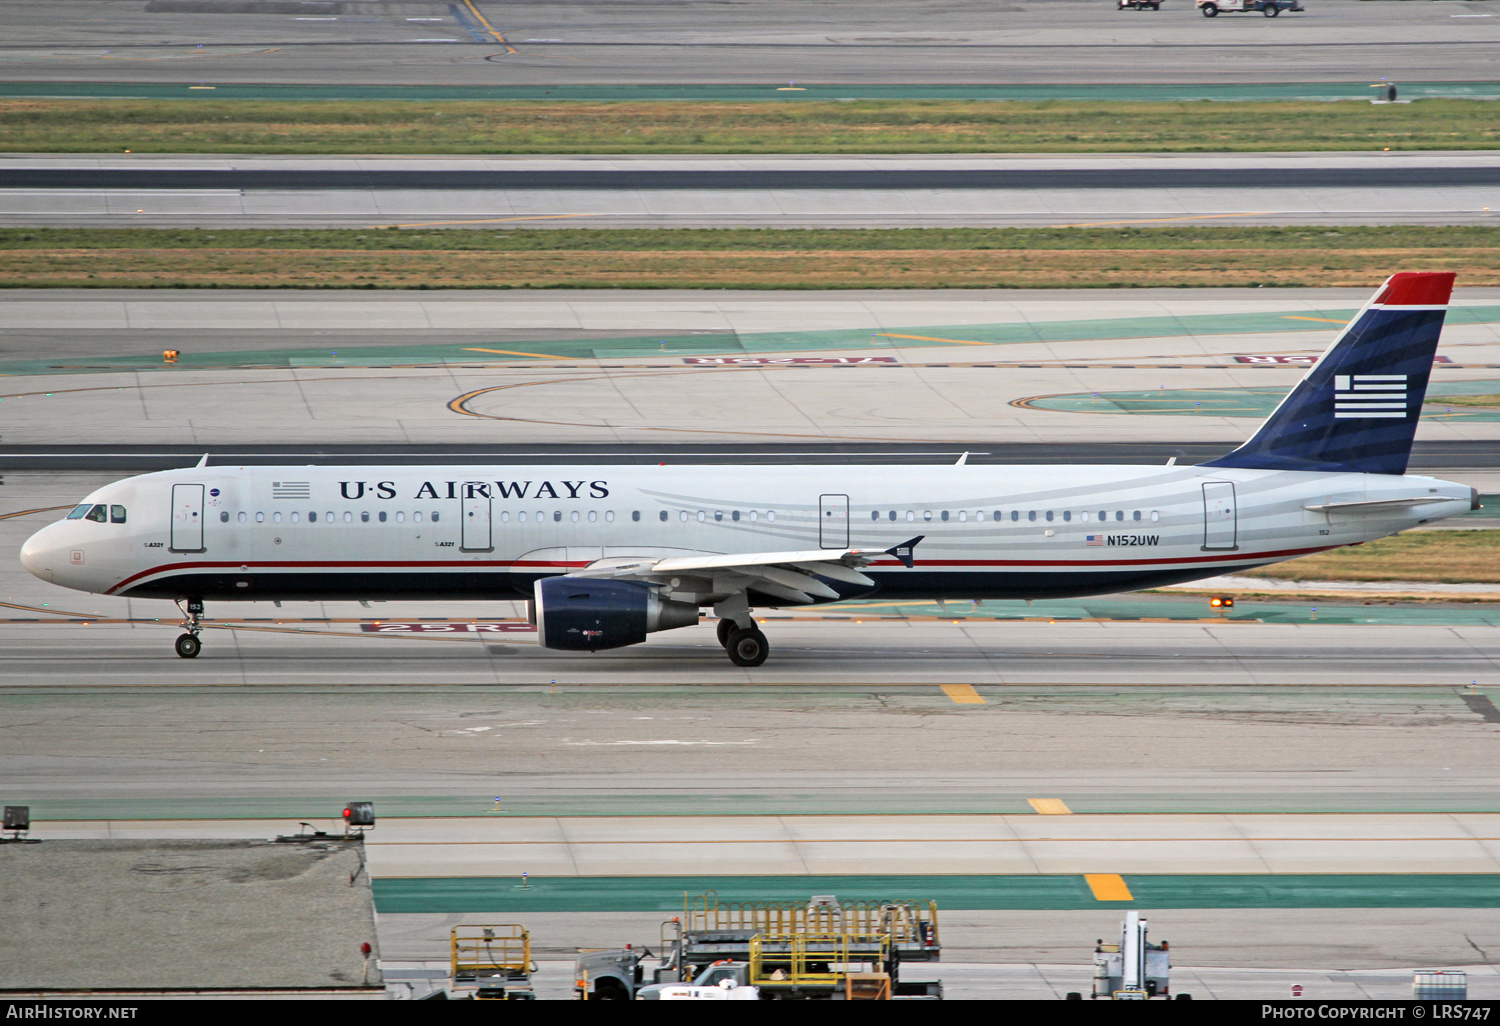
point(480, 192)
point(1405, 174)
point(779, 42)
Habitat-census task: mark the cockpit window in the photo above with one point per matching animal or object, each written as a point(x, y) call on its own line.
point(117, 514)
point(79, 511)
point(99, 513)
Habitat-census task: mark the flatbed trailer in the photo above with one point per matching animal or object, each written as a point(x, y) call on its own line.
point(491, 962)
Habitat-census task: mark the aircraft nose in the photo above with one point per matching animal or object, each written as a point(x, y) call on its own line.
point(37, 555)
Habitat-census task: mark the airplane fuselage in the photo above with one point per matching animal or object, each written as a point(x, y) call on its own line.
point(489, 532)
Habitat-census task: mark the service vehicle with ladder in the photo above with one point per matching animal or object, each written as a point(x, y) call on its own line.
point(787, 948)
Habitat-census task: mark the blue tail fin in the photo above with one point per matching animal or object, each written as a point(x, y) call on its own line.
point(1357, 408)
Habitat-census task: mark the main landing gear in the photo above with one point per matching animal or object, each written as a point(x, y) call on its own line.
point(188, 646)
point(746, 646)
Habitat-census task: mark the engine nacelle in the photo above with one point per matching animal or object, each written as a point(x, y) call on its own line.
point(583, 614)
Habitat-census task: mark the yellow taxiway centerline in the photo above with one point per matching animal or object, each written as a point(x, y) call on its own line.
point(1108, 887)
point(963, 694)
point(1049, 806)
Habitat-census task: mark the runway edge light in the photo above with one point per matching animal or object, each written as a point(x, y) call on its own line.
point(359, 814)
point(1222, 602)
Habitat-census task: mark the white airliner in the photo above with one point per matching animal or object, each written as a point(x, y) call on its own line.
point(609, 554)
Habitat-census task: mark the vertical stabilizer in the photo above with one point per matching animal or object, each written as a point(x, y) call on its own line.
point(1357, 408)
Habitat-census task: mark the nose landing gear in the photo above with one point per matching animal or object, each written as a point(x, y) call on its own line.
point(188, 646)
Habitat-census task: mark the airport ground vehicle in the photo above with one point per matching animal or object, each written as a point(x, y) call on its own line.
point(788, 949)
point(491, 962)
point(1134, 969)
point(1269, 8)
point(1139, 5)
point(608, 554)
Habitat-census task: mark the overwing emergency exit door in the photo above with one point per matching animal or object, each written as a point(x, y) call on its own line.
point(833, 521)
point(187, 518)
point(1220, 522)
point(476, 529)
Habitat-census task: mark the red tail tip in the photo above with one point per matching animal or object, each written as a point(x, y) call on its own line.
point(1417, 288)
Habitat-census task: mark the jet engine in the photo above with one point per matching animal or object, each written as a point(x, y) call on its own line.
point(584, 614)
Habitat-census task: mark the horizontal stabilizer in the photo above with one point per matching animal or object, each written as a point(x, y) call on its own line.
point(1379, 505)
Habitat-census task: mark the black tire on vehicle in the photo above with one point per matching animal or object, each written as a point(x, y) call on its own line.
point(747, 647)
point(1270, 10)
point(188, 646)
point(1210, 10)
point(724, 629)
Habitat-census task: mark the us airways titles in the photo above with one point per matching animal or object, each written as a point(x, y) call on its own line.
point(481, 489)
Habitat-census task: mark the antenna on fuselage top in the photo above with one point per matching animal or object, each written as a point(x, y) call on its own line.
point(962, 460)
point(203, 462)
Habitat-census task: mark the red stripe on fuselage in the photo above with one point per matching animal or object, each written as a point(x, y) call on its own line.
point(355, 564)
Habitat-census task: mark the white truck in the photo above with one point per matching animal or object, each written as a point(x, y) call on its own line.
point(1134, 969)
point(1269, 8)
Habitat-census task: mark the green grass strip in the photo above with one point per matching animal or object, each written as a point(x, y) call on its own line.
point(545, 125)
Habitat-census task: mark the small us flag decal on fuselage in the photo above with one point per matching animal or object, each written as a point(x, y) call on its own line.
point(1369, 396)
point(1093, 539)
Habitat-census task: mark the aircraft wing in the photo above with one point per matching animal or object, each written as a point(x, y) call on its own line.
point(791, 575)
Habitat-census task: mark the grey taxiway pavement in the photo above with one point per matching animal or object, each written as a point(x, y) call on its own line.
point(604, 192)
point(775, 42)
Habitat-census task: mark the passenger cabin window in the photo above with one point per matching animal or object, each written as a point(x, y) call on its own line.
point(434, 516)
point(416, 518)
point(400, 516)
point(99, 514)
point(664, 516)
point(312, 518)
point(117, 515)
point(224, 517)
point(276, 518)
point(79, 511)
point(382, 516)
point(260, 518)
